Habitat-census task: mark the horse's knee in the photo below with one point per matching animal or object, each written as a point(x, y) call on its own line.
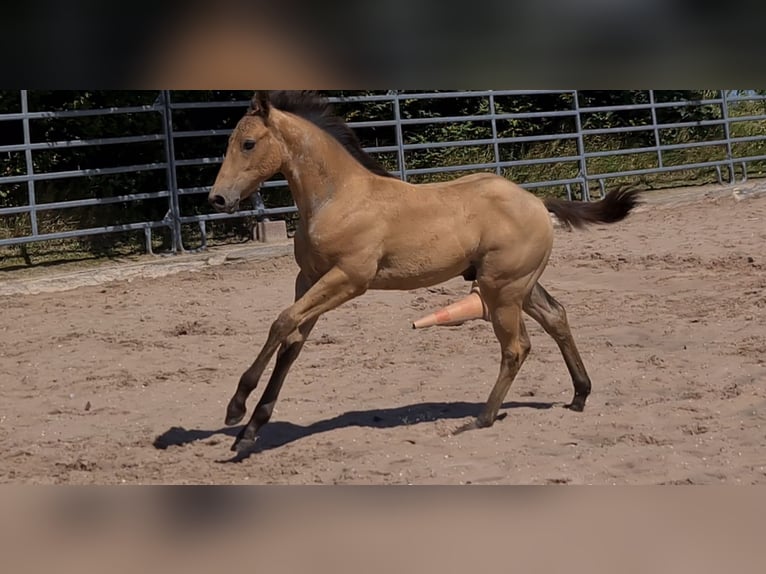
point(283, 326)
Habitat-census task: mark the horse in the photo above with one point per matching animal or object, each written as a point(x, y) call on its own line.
point(362, 228)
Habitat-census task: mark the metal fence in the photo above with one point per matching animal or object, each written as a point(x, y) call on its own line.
point(582, 165)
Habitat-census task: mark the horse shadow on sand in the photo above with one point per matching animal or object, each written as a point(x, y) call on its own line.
point(276, 434)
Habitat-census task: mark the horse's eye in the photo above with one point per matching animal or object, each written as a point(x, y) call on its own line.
point(248, 145)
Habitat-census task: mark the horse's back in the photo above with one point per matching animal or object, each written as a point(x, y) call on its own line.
point(469, 182)
point(486, 185)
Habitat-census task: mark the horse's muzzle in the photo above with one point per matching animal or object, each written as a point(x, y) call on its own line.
point(222, 205)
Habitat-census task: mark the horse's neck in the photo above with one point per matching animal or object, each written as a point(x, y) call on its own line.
point(315, 164)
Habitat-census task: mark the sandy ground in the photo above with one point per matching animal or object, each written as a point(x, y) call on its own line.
point(127, 382)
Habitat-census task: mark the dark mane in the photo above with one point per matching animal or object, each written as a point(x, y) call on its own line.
point(316, 109)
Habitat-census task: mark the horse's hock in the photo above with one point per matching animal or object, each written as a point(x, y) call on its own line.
point(268, 231)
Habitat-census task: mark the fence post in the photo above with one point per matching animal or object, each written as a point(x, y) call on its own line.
point(257, 201)
point(170, 160)
point(495, 145)
point(727, 135)
point(581, 149)
point(29, 162)
point(399, 136)
point(656, 128)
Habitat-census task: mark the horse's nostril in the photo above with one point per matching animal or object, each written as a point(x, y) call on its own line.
point(218, 201)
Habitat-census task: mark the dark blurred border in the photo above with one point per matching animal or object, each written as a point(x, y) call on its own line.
point(384, 529)
point(357, 45)
point(239, 44)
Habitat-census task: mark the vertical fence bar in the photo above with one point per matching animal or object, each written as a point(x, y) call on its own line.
point(656, 128)
point(399, 135)
point(581, 148)
point(495, 145)
point(30, 165)
point(727, 134)
point(170, 160)
point(257, 202)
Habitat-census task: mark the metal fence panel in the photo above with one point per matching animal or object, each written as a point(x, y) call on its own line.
point(579, 170)
point(33, 207)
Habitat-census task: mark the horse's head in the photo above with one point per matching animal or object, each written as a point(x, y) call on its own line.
point(253, 155)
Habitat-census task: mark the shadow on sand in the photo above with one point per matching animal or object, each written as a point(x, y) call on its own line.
point(279, 433)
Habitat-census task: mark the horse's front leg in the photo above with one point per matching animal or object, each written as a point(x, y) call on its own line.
point(288, 331)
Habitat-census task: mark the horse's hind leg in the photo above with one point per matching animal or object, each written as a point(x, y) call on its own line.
point(514, 342)
point(544, 309)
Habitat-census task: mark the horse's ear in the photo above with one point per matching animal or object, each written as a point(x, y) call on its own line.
point(260, 104)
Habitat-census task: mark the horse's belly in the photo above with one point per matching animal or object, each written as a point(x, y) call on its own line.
point(413, 274)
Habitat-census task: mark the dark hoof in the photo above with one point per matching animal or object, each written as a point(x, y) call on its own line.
point(577, 405)
point(232, 420)
point(244, 445)
point(234, 413)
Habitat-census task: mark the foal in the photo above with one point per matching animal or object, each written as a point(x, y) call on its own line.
point(361, 228)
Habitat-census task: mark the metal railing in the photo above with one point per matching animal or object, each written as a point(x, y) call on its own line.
point(582, 165)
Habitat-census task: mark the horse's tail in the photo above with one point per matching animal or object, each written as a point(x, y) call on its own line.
point(615, 206)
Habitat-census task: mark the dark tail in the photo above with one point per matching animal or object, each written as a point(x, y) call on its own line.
point(615, 206)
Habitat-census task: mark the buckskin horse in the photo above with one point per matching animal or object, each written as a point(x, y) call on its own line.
point(362, 228)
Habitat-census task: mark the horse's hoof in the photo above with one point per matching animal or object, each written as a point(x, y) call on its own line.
point(232, 420)
point(480, 422)
point(471, 425)
point(234, 413)
point(243, 445)
point(577, 405)
point(475, 424)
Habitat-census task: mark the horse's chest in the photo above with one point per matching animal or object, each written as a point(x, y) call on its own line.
point(316, 254)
